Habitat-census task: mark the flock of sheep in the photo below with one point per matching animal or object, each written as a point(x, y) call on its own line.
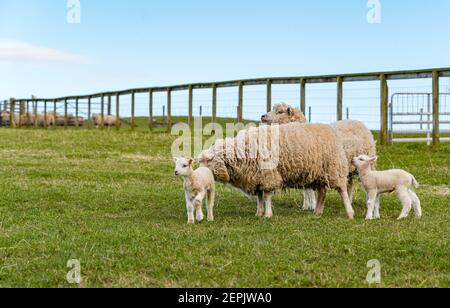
point(314, 157)
point(55, 119)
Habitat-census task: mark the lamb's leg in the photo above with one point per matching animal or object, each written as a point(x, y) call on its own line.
point(211, 199)
point(190, 209)
point(416, 203)
point(322, 194)
point(268, 203)
point(406, 202)
point(377, 214)
point(309, 200)
point(198, 202)
point(347, 203)
point(371, 204)
point(260, 204)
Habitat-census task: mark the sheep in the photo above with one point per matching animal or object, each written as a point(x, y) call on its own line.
point(355, 136)
point(378, 182)
point(5, 118)
point(301, 155)
point(283, 114)
point(197, 185)
point(108, 120)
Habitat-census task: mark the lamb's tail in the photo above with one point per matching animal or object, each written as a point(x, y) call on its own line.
point(414, 181)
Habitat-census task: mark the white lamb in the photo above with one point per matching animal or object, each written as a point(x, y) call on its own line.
point(197, 185)
point(379, 182)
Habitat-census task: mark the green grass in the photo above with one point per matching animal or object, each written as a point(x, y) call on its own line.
point(109, 199)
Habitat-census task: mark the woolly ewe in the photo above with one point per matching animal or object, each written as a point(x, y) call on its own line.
point(309, 156)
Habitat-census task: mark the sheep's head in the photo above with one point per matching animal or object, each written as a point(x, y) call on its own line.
point(364, 162)
point(283, 114)
point(216, 164)
point(183, 166)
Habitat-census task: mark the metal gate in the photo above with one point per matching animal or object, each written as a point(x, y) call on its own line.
point(411, 117)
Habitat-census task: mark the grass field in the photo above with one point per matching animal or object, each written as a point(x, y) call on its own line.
point(110, 200)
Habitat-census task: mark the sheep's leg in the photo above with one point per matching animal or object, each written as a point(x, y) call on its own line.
point(377, 214)
point(309, 200)
point(267, 196)
point(347, 203)
point(416, 203)
point(190, 209)
point(322, 194)
point(350, 188)
point(406, 202)
point(260, 204)
point(198, 202)
point(371, 204)
point(211, 194)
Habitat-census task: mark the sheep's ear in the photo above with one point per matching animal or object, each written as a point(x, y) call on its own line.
point(374, 159)
point(191, 161)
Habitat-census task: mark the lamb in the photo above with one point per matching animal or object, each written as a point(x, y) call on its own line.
point(295, 156)
point(197, 185)
point(355, 136)
point(108, 120)
point(378, 182)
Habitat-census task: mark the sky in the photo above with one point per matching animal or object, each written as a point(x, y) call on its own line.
point(141, 43)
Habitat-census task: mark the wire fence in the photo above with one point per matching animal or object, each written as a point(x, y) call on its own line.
point(362, 98)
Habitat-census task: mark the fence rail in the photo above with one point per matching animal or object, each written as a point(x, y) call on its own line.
point(339, 79)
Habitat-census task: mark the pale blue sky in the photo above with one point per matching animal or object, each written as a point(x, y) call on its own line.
point(123, 44)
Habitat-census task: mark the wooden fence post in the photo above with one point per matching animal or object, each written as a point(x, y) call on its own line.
point(119, 121)
point(89, 113)
point(55, 109)
point(133, 102)
point(339, 99)
point(269, 95)
point(109, 105)
point(436, 128)
point(150, 98)
point(214, 103)
point(169, 110)
point(66, 114)
point(303, 95)
point(45, 115)
point(21, 112)
point(191, 106)
point(11, 113)
point(241, 102)
point(384, 110)
point(76, 112)
point(35, 112)
point(102, 116)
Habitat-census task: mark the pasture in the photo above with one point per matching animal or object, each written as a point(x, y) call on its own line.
point(110, 200)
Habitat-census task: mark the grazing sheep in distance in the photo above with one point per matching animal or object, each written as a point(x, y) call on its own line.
point(309, 156)
point(198, 184)
point(378, 182)
point(108, 120)
point(356, 138)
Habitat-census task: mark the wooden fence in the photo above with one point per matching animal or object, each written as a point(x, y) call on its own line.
point(383, 77)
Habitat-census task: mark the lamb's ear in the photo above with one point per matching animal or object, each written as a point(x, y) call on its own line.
point(174, 159)
point(191, 161)
point(374, 159)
